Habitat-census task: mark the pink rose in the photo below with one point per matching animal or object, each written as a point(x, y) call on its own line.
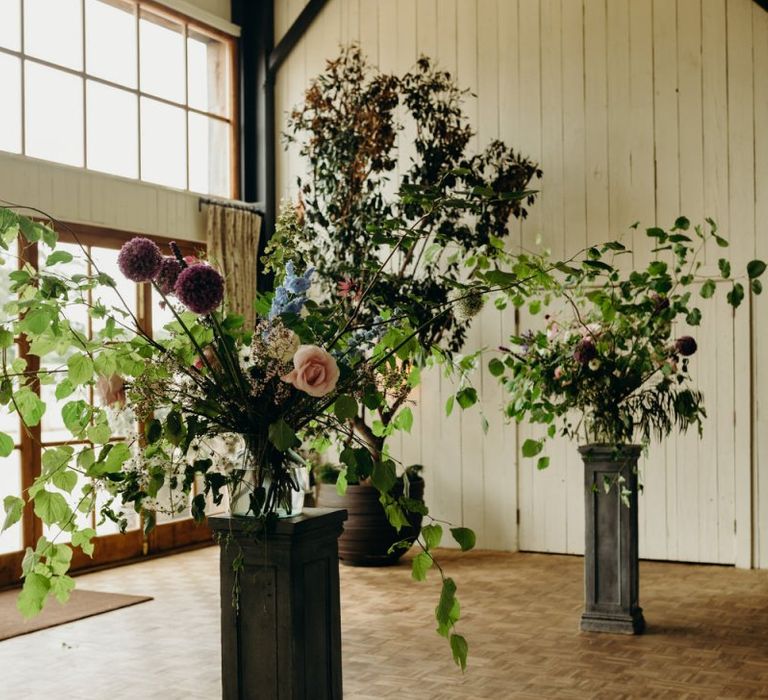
point(315, 371)
point(111, 390)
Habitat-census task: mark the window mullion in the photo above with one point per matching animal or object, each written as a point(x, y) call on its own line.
point(23, 83)
point(137, 15)
point(186, 96)
point(83, 81)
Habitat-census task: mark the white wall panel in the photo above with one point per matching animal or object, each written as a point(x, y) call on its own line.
point(83, 196)
point(637, 110)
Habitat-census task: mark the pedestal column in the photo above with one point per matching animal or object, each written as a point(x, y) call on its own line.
point(611, 573)
point(283, 640)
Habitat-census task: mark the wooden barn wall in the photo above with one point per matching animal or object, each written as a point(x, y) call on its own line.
point(638, 110)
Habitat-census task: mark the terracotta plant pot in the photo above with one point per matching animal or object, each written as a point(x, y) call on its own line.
point(367, 533)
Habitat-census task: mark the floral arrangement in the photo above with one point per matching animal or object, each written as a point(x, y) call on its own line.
point(213, 403)
point(610, 364)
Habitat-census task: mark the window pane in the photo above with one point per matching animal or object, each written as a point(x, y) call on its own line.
point(108, 527)
point(162, 57)
point(10, 114)
point(53, 31)
point(208, 75)
point(163, 144)
point(209, 155)
point(10, 24)
point(162, 315)
point(54, 115)
point(113, 130)
point(9, 422)
point(110, 40)
point(52, 425)
point(10, 485)
point(105, 260)
point(73, 499)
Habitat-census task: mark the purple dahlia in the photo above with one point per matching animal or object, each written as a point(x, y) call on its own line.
point(685, 345)
point(200, 288)
point(584, 351)
point(140, 260)
point(169, 272)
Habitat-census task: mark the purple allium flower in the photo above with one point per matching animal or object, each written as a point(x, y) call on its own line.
point(200, 288)
point(585, 351)
point(169, 272)
point(140, 259)
point(685, 345)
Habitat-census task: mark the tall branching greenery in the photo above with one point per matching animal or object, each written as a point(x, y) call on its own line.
point(348, 130)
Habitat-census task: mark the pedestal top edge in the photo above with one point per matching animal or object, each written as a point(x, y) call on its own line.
point(310, 519)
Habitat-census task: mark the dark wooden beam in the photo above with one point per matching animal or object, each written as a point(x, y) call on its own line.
point(260, 61)
point(257, 110)
point(293, 35)
point(763, 4)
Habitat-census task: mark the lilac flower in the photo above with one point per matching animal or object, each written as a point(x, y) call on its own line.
point(200, 288)
point(169, 272)
point(685, 345)
point(140, 260)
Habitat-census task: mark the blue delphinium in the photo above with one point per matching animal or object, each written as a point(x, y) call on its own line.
point(291, 295)
point(363, 339)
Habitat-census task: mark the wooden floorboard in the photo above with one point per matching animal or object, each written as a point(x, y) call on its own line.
point(707, 635)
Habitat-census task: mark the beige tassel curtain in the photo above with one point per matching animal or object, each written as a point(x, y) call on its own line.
point(233, 243)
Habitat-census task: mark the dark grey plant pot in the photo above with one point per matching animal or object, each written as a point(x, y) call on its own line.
point(611, 574)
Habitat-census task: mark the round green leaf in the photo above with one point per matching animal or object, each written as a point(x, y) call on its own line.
point(6, 445)
point(755, 268)
point(345, 407)
point(496, 367)
point(532, 447)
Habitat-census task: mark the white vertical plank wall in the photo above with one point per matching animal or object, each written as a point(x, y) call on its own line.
point(638, 110)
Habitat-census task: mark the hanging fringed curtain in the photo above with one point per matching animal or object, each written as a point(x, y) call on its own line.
point(233, 243)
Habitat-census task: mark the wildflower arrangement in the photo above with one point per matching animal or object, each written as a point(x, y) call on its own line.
point(611, 364)
point(213, 403)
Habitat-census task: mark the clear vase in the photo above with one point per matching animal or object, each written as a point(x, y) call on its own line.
point(284, 497)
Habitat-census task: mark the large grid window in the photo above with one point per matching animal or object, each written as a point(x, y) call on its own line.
point(121, 88)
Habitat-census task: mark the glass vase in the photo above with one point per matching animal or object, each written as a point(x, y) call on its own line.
point(258, 489)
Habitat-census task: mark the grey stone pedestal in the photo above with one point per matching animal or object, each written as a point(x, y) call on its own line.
point(283, 642)
point(611, 574)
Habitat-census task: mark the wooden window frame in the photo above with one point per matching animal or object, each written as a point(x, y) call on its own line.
point(111, 549)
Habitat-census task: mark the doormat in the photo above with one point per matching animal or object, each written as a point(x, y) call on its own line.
point(81, 604)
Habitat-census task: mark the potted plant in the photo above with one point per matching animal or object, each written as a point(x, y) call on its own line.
point(611, 369)
point(369, 539)
point(347, 132)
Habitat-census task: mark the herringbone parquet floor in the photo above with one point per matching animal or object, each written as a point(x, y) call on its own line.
point(707, 636)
